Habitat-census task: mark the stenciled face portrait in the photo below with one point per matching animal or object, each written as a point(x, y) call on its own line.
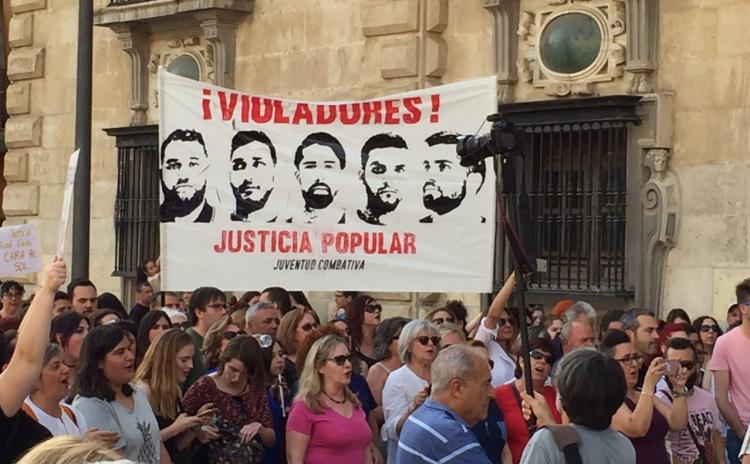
point(184, 165)
point(445, 186)
point(317, 173)
point(385, 179)
point(251, 176)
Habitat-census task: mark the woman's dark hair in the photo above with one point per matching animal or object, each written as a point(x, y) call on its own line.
point(90, 380)
point(355, 316)
point(610, 316)
point(65, 325)
point(384, 333)
point(267, 354)
point(140, 272)
point(444, 309)
point(100, 314)
point(246, 350)
point(535, 343)
point(9, 285)
point(108, 301)
point(458, 308)
point(678, 312)
point(611, 339)
point(699, 322)
point(148, 321)
point(592, 387)
point(300, 298)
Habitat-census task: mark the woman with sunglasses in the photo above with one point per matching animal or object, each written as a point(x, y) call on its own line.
point(327, 422)
point(363, 316)
point(498, 331)
point(701, 440)
point(242, 416)
point(68, 331)
point(508, 396)
point(645, 420)
point(152, 325)
point(293, 329)
point(165, 365)
point(107, 399)
point(708, 331)
point(217, 338)
point(408, 386)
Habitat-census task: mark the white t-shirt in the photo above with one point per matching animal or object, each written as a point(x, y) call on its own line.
point(58, 426)
point(505, 367)
point(401, 386)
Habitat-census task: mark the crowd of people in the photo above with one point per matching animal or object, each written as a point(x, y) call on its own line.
point(209, 377)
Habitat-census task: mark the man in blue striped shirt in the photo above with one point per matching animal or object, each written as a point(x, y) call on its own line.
point(439, 432)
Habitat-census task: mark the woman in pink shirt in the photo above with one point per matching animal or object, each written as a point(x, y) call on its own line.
point(327, 423)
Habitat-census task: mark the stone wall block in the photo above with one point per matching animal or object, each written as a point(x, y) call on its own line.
point(25, 63)
point(436, 56)
point(437, 15)
point(21, 6)
point(16, 166)
point(24, 131)
point(21, 199)
point(398, 57)
point(18, 98)
point(384, 17)
point(21, 31)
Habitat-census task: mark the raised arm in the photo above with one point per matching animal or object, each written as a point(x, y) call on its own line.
point(635, 423)
point(499, 303)
point(25, 366)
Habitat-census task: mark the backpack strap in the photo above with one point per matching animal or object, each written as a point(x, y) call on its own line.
point(69, 412)
point(567, 439)
point(29, 412)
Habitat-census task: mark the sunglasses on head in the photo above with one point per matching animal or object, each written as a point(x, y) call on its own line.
point(634, 359)
point(341, 359)
point(424, 340)
point(539, 355)
point(229, 335)
point(709, 328)
point(441, 321)
point(503, 321)
point(371, 308)
point(308, 327)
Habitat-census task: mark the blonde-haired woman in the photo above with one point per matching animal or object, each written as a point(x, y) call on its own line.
point(165, 365)
point(325, 410)
point(68, 449)
point(217, 338)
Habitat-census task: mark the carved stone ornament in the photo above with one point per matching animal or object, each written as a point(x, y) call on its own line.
point(505, 20)
point(660, 199)
point(609, 64)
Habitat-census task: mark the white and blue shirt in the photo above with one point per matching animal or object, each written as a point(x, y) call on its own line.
point(435, 434)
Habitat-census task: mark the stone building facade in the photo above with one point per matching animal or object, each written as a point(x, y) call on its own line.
point(662, 86)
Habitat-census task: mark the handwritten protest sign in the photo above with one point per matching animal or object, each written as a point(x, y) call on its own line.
point(19, 250)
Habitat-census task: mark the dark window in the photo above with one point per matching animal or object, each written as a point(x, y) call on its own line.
point(137, 202)
point(575, 175)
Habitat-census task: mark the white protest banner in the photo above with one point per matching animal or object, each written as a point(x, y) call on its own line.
point(364, 195)
point(70, 179)
point(20, 252)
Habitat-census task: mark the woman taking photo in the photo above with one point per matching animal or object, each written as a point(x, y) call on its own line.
point(152, 325)
point(508, 396)
point(237, 391)
point(216, 340)
point(325, 411)
point(708, 331)
point(645, 420)
point(292, 332)
point(408, 386)
point(498, 331)
point(108, 401)
point(68, 331)
point(165, 366)
point(363, 316)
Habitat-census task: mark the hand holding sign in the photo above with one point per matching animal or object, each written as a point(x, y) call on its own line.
point(56, 274)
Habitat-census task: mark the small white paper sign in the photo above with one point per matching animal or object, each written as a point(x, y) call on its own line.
point(19, 250)
point(70, 179)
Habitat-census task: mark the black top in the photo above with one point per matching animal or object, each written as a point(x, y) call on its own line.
point(178, 457)
point(19, 433)
point(137, 313)
point(491, 432)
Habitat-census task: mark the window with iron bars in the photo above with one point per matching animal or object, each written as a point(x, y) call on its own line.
point(575, 165)
point(137, 202)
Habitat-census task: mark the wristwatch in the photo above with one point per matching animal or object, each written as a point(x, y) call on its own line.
point(678, 393)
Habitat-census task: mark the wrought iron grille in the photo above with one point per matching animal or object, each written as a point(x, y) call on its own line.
point(575, 175)
point(137, 202)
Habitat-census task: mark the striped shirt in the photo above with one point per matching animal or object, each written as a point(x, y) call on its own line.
point(435, 434)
